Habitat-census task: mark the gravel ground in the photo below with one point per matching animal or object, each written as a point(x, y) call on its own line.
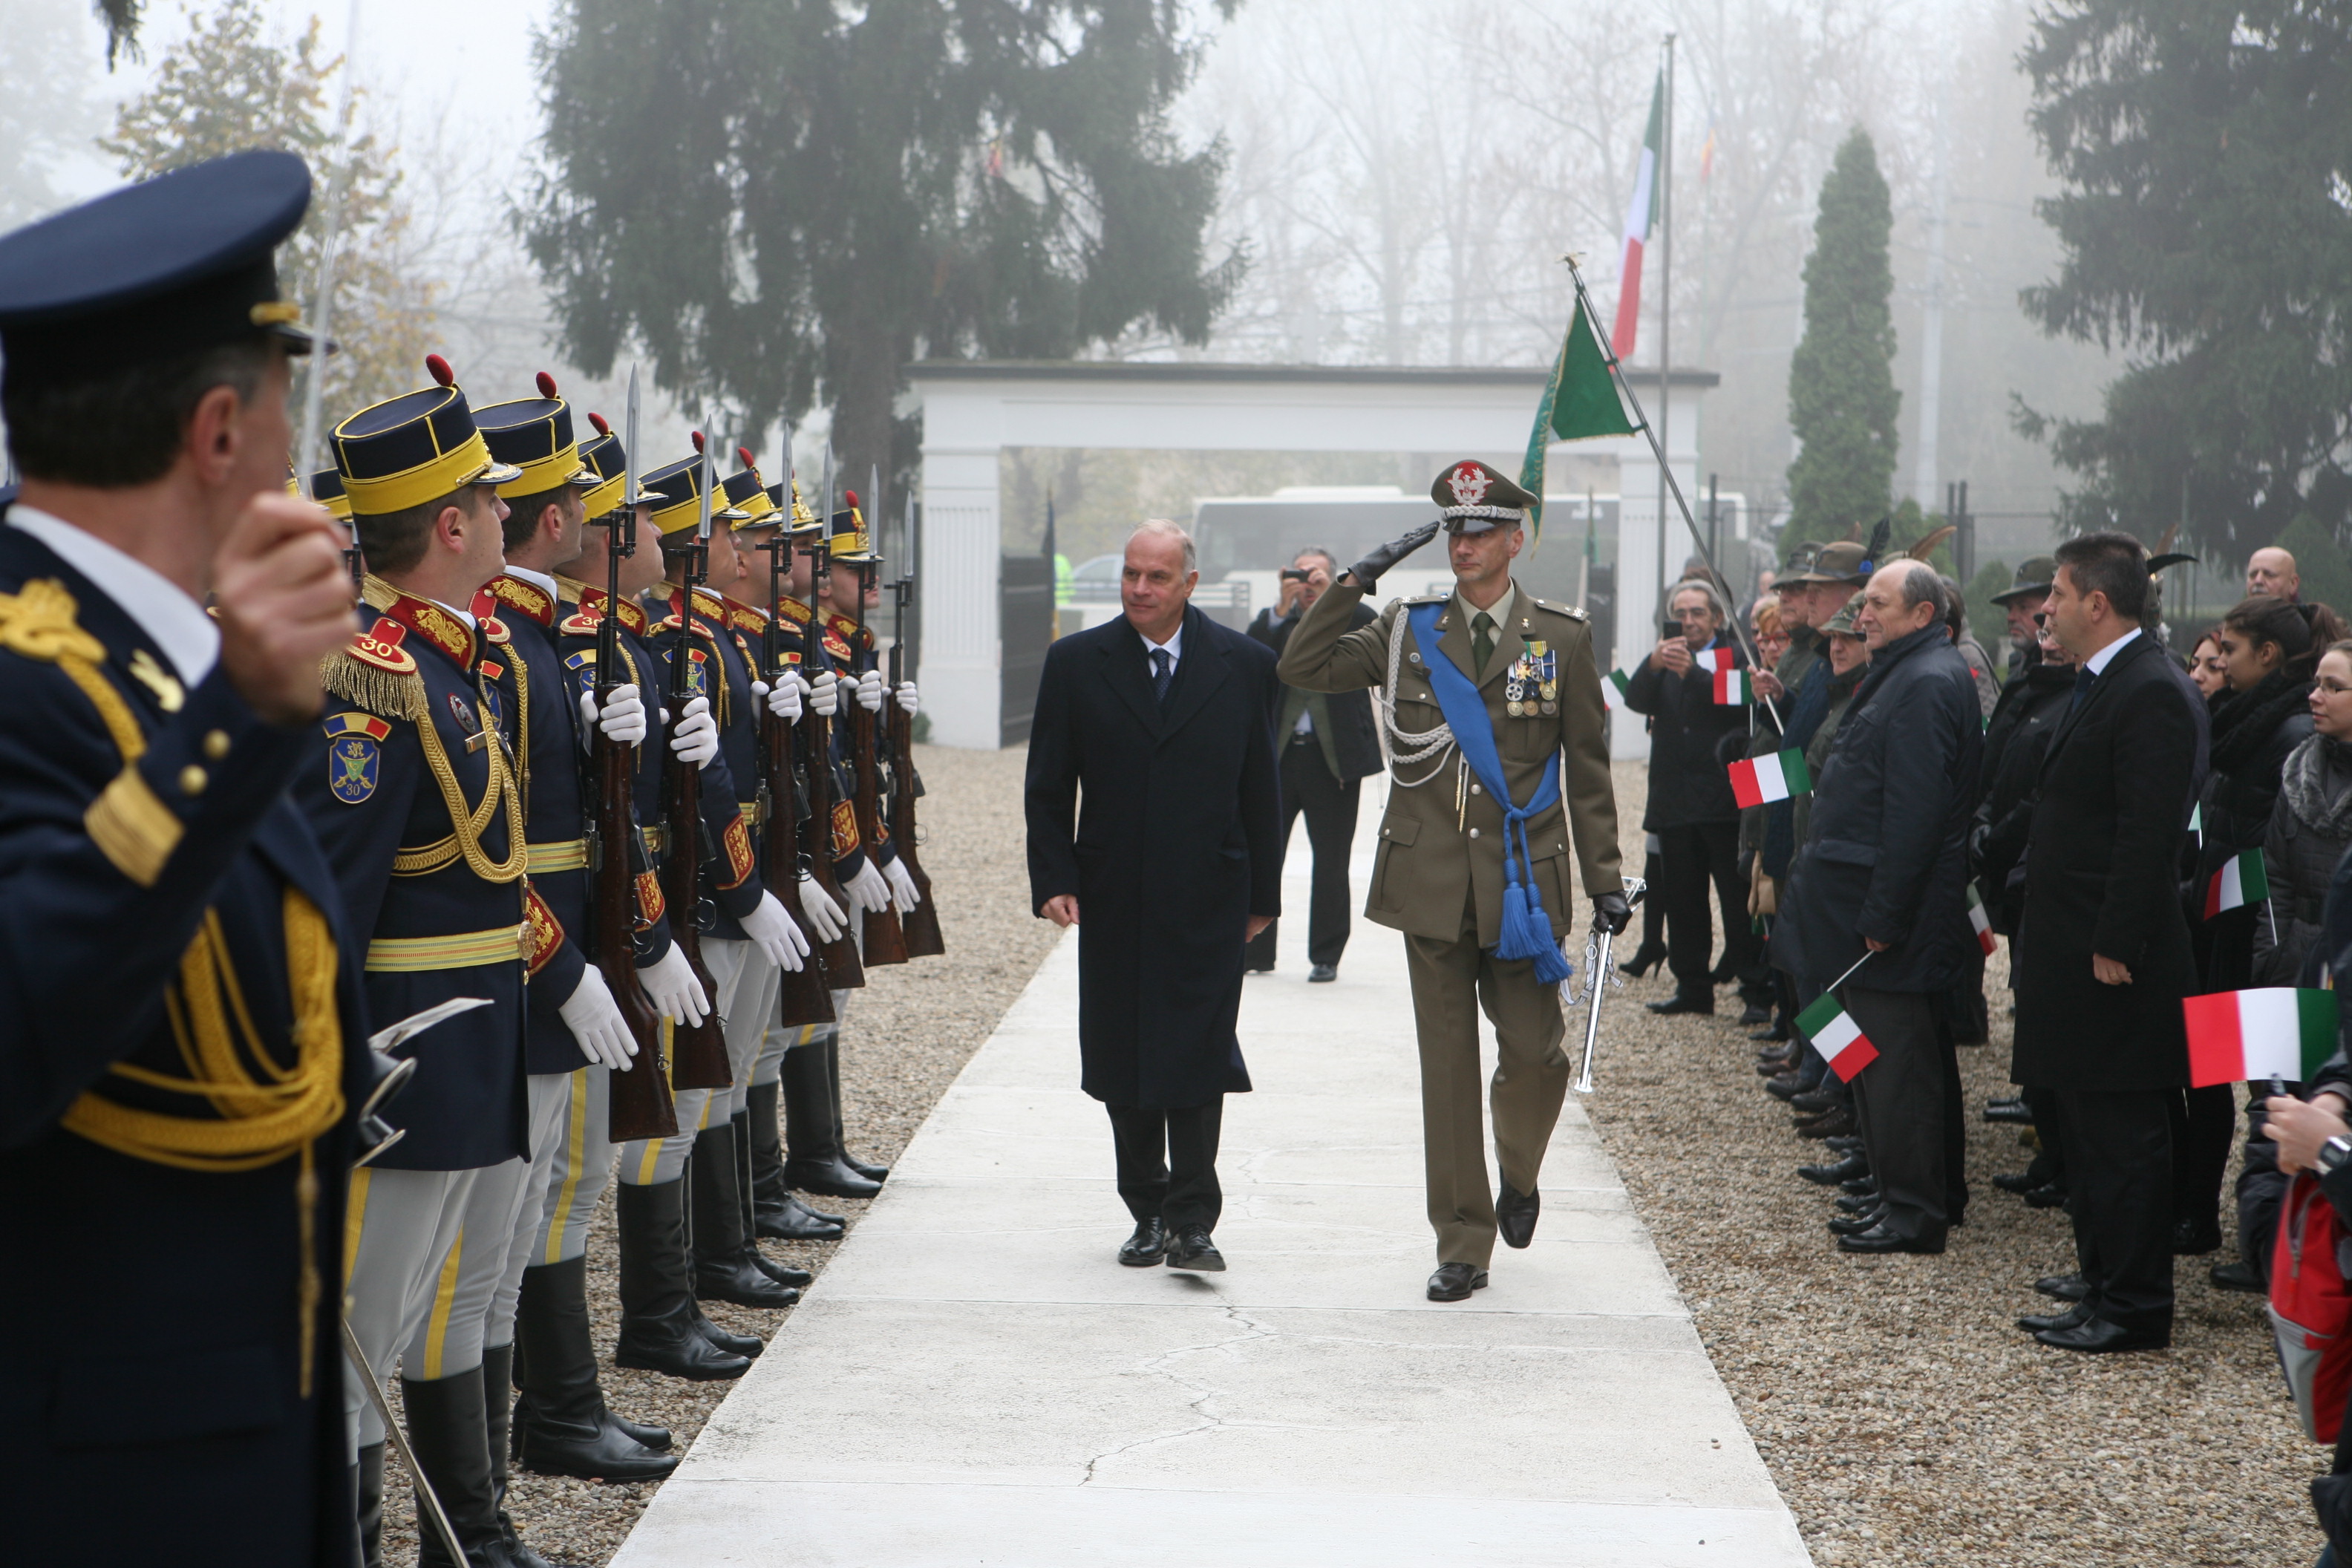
point(909, 1033)
point(1903, 1415)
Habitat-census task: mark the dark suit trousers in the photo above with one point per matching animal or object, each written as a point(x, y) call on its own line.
point(1696, 854)
point(1331, 808)
point(1909, 1104)
point(2119, 1182)
point(1168, 1162)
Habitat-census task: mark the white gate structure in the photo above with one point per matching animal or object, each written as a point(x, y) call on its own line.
point(973, 410)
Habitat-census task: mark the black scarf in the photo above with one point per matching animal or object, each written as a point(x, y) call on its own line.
point(2243, 725)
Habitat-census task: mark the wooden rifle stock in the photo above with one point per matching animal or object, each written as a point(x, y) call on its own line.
point(923, 922)
point(700, 1048)
point(640, 1105)
point(885, 940)
point(814, 737)
point(806, 997)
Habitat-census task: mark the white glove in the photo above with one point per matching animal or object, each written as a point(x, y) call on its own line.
point(823, 913)
point(623, 718)
point(867, 890)
point(595, 1022)
point(825, 694)
point(907, 695)
point(673, 989)
point(778, 938)
point(695, 737)
point(784, 698)
point(869, 691)
point(903, 892)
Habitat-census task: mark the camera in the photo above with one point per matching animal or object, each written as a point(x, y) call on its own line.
point(1293, 574)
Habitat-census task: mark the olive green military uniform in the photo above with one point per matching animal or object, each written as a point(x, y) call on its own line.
point(1439, 877)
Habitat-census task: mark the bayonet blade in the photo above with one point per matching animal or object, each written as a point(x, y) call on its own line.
point(629, 453)
point(702, 513)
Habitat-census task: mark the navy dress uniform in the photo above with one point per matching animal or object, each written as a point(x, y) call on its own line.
point(170, 1376)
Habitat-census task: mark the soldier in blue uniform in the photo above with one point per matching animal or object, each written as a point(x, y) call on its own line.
point(166, 917)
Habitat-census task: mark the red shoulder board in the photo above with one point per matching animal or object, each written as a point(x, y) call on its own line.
point(525, 597)
point(836, 646)
point(793, 610)
point(380, 646)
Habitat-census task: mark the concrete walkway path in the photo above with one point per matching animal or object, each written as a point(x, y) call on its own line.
point(975, 1380)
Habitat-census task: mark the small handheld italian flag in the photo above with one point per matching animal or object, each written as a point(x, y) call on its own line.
point(2241, 882)
point(1714, 660)
point(1612, 690)
point(1834, 1033)
point(1759, 781)
point(1980, 922)
point(2275, 1032)
point(1731, 688)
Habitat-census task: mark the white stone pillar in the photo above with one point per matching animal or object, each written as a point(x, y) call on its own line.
point(962, 688)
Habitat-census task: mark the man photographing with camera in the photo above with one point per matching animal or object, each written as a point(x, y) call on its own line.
point(1327, 747)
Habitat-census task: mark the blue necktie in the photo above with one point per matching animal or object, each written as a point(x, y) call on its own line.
point(1163, 674)
point(2083, 679)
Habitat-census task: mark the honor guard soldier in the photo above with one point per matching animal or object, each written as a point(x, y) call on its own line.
point(417, 798)
point(183, 1048)
point(546, 513)
point(1487, 691)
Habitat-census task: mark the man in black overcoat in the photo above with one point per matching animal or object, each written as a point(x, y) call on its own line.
point(1166, 721)
point(1327, 747)
point(2102, 952)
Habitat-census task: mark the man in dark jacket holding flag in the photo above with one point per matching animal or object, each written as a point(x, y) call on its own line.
point(1878, 896)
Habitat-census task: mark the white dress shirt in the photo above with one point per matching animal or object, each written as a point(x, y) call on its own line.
point(174, 621)
point(1174, 647)
point(2097, 663)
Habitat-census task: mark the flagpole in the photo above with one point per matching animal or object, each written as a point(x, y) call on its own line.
point(1665, 175)
point(1625, 390)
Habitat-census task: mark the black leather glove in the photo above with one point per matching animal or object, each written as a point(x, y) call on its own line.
point(1611, 913)
point(1366, 572)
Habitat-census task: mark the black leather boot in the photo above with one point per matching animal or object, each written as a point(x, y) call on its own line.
point(659, 1320)
point(871, 1171)
point(563, 1428)
point(732, 1343)
point(813, 1154)
point(497, 1407)
point(367, 1496)
point(449, 1434)
point(776, 1214)
point(781, 1273)
point(722, 1271)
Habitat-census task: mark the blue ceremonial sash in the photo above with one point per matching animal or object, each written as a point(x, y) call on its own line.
point(1526, 928)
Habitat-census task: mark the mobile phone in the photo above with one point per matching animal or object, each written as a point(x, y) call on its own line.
point(1674, 628)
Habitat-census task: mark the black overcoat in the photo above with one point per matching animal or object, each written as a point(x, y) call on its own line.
point(1176, 845)
point(1355, 739)
point(2116, 789)
point(1687, 785)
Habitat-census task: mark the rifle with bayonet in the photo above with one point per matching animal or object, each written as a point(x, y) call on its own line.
point(812, 737)
point(922, 922)
point(640, 1106)
point(885, 939)
point(807, 997)
point(700, 1048)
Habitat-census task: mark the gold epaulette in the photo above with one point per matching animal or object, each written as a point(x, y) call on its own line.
point(376, 673)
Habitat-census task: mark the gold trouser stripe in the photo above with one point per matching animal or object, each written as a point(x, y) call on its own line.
point(354, 1223)
point(465, 950)
point(134, 830)
point(575, 1150)
point(444, 1296)
point(570, 855)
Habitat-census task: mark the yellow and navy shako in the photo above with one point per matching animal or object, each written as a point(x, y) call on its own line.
point(171, 265)
point(534, 436)
point(604, 453)
point(746, 494)
point(414, 449)
point(851, 541)
point(1474, 498)
point(327, 489)
point(680, 488)
point(803, 520)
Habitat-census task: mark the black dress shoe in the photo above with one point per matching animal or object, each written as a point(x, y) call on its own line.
point(1514, 1215)
point(1454, 1281)
point(2196, 1236)
point(739, 1280)
point(793, 1220)
point(1861, 1202)
point(781, 1273)
point(2049, 1196)
point(1828, 1124)
point(1844, 1143)
point(1829, 1175)
point(1881, 1239)
point(2018, 1182)
point(1674, 1005)
point(1146, 1247)
point(1192, 1250)
point(1775, 1033)
point(2064, 1287)
point(1866, 1183)
point(1722, 973)
point(1646, 958)
point(748, 1346)
point(2008, 1111)
point(1773, 1064)
point(1785, 1085)
point(2097, 1336)
point(1755, 1012)
point(2074, 1316)
point(1855, 1224)
point(2234, 1277)
point(1815, 1099)
point(1322, 973)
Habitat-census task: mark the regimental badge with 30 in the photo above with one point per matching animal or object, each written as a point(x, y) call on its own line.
point(354, 754)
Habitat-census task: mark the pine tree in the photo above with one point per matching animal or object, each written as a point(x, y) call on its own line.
point(1841, 396)
point(779, 200)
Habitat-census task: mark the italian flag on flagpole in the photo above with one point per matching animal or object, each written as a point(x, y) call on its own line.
point(1612, 690)
point(1834, 1033)
point(1641, 216)
point(1731, 688)
point(1760, 781)
point(1980, 922)
point(2240, 1036)
point(2241, 882)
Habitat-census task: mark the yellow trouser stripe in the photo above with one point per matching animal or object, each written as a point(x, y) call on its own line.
point(575, 1144)
point(571, 854)
point(444, 1295)
point(463, 950)
point(354, 1218)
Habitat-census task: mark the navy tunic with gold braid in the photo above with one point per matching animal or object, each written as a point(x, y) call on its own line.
point(582, 610)
point(170, 1371)
point(723, 674)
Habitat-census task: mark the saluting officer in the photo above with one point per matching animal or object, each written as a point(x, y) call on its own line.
point(161, 905)
point(1489, 690)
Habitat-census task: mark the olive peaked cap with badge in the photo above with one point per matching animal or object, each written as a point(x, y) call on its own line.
point(1474, 498)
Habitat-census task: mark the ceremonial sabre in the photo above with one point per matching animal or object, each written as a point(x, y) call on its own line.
point(392, 1429)
point(1636, 890)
